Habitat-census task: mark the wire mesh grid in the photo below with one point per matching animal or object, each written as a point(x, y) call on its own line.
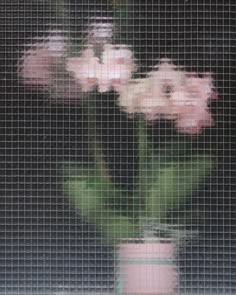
point(117, 147)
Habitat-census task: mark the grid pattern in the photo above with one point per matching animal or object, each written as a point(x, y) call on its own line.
point(98, 157)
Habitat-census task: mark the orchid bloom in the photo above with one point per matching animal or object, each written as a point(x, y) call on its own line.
point(168, 93)
point(199, 91)
point(193, 123)
point(129, 99)
point(116, 68)
point(85, 69)
point(167, 76)
point(34, 67)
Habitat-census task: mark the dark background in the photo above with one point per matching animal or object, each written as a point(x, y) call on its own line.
point(44, 246)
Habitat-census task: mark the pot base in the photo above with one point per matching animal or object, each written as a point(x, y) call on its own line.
point(147, 268)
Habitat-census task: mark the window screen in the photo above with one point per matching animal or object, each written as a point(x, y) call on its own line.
point(117, 147)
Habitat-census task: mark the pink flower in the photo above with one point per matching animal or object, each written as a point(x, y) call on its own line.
point(116, 68)
point(114, 72)
point(196, 94)
point(154, 105)
point(171, 94)
point(85, 69)
point(200, 90)
point(167, 77)
point(137, 98)
point(34, 67)
point(192, 123)
point(151, 96)
point(163, 82)
point(129, 100)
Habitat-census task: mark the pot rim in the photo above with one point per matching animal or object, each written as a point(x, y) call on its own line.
point(147, 241)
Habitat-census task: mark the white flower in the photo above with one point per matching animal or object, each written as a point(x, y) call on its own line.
point(167, 76)
point(116, 68)
point(85, 69)
point(129, 100)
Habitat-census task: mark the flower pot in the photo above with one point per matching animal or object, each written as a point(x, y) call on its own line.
point(147, 267)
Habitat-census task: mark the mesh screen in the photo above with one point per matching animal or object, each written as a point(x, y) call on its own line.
point(117, 147)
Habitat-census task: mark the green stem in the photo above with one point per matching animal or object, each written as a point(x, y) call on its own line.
point(94, 144)
point(121, 15)
point(120, 8)
point(142, 158)
point(62, 14)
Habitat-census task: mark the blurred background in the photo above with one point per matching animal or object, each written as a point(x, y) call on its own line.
point(45, 248)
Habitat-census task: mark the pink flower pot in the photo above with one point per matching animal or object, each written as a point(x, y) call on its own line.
point(147, 268)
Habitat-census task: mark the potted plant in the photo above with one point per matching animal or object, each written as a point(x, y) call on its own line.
point(134, 221)
point(164, 177)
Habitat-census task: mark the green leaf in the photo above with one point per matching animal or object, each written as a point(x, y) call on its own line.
point(83, 196)
point(87, 190)
point(172, 184)
point(116, 227)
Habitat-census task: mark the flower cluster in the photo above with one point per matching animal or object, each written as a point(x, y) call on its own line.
point(113, 72)
point(167, 92)
point(172, 94)
point(41, 63)
point(41, 67)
